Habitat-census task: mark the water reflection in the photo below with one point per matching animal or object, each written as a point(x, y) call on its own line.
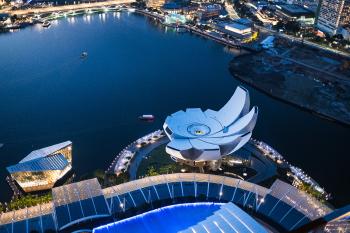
point(38, 28)
point(54, 22)
point(116, 15)
point(71, 20)
point(87, 18)
point(233, 51)
point(102, 17)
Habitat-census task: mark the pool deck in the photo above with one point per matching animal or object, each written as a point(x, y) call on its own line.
point(179, 187)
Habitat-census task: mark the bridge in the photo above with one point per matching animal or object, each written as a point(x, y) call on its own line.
point(73, 7)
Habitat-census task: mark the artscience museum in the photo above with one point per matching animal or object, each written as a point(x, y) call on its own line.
point(197, 135)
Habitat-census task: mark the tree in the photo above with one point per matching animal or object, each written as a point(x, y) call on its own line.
point(151, 171)
point(100, 175)
point(292, 26)
point(279, 25)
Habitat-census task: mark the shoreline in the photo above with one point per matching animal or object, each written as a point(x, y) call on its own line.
point(69, 7)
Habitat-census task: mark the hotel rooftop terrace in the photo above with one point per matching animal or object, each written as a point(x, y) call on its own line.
point(282, 205)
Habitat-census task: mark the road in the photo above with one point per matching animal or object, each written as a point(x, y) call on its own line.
point(306, 42)
point(231, 11)
point(66, 7)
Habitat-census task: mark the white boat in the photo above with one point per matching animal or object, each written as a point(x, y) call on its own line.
point(83, 55)
point(113, 8)
point(46, 24)
point(71, 13)
point(147, 117)
point(131, 9)
point(12, 26)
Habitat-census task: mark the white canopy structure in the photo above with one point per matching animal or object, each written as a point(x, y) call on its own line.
point(204, 136)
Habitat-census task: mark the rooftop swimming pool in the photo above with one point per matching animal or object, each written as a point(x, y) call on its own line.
point(170, 219)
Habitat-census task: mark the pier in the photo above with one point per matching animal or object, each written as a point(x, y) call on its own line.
point(135, 151)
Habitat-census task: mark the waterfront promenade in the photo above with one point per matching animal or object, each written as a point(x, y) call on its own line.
point(66, 7)
point(134, 152)
point(197, 31)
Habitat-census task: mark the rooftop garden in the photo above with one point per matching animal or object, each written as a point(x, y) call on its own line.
point(25, 201)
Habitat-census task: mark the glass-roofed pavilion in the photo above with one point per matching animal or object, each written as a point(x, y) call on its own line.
point(42, 168)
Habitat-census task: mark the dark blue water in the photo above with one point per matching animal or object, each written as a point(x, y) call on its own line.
point(48, 95)
point(170, 219)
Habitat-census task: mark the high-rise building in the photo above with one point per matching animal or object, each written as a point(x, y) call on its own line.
point(345, 15)
point(333, 14)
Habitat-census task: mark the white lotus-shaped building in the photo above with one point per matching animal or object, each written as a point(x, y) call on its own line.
point(204, 136)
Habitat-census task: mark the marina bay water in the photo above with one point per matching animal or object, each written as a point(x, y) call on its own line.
point(48, 94)
point(170, 219)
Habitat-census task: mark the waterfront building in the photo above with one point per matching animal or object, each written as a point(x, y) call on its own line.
point(85, 206)
point(197, 136)
point(179, 6)
point(172, 7)
point(42, 168)
point(244, 21)
point(207, 11)
point(174, 18)
point(293, 12)
point(4, 19)
point(155, 3)
point(237, 30)
point(332, 14)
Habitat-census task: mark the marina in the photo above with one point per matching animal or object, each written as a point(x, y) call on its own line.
point(215, 151)
point(103, 92)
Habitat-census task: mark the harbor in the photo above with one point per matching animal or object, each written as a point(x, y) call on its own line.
point(113, 123)
point(44, 15)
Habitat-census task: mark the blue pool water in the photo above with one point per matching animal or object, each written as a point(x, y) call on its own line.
point(170, 219)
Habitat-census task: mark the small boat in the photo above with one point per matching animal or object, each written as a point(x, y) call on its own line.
point(46, 24)
point(181, 30)
point(113, 8)
point(146, 117)
point(71, 13)
point(12, 26)
point(83, 55)
point(131, 9)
